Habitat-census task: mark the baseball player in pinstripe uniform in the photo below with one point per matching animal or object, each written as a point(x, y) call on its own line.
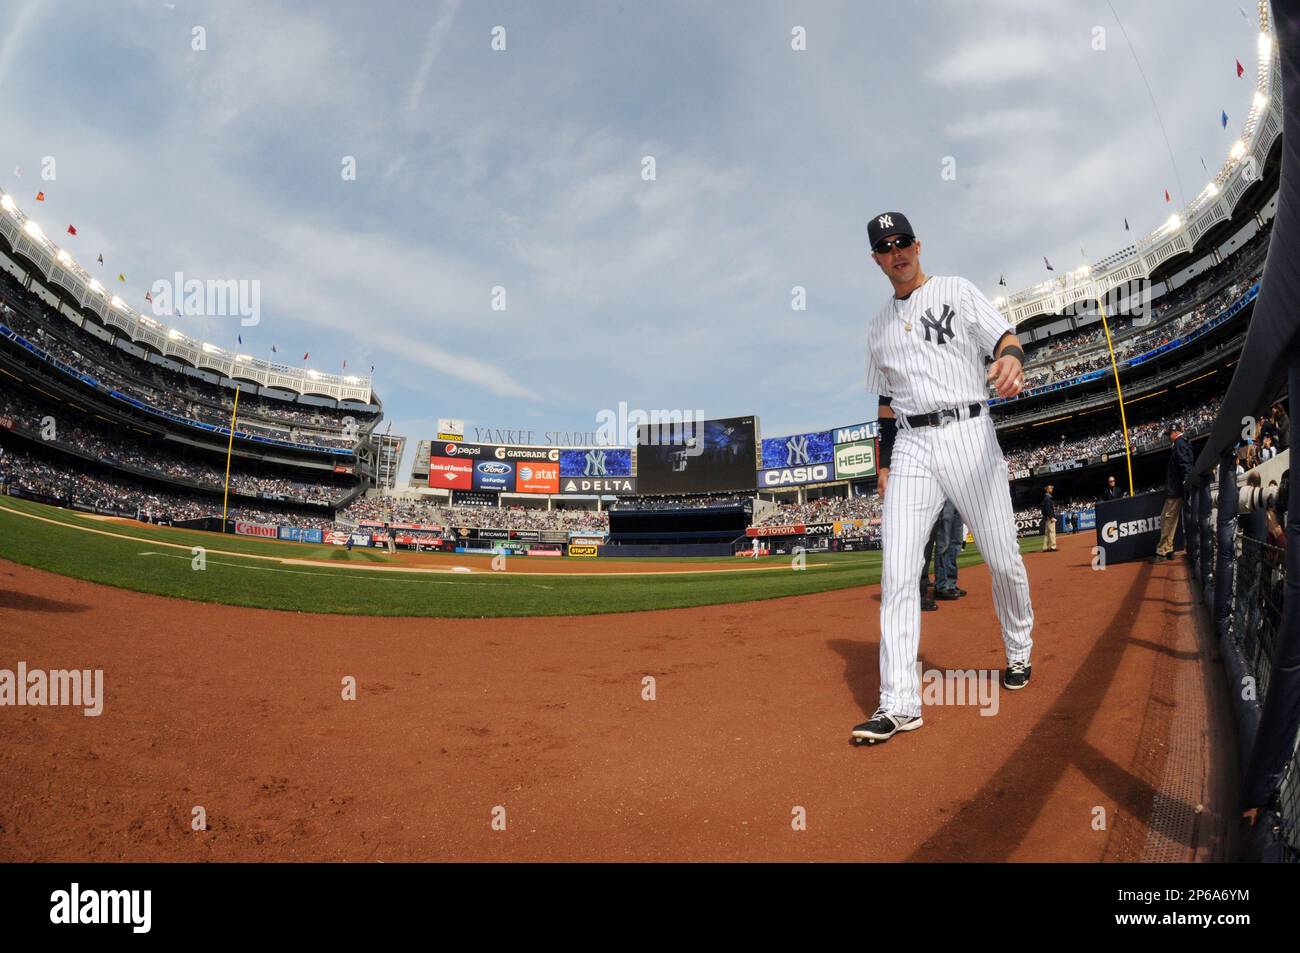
point(926, 350)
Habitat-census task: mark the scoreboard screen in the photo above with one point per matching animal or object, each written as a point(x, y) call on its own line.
point(711, 456)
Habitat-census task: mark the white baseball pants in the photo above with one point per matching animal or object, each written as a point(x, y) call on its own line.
point(962, 461)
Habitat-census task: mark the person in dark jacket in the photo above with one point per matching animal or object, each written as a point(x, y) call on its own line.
point(1112, 492)
point(1176, 471)
point(1049, 521)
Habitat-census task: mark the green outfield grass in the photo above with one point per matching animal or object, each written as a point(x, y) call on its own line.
point(236, 577)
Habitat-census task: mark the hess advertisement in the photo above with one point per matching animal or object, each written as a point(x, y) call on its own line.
point(854, 461)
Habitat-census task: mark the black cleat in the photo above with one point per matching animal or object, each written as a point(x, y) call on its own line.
point(947, 594)
point(960, 591)
point(1016, 675)
point(883, 725)
point(928, 604)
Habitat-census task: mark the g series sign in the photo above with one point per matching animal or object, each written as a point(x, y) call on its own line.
point(1129, 528)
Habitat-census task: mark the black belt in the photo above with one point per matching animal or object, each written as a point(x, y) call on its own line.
point(941, 417)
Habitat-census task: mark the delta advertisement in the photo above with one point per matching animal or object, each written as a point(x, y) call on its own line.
point(597, 471)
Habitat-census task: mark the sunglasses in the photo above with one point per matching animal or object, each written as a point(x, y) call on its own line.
point(889, 244)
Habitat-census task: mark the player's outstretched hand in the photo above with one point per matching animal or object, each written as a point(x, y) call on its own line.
point(1006, 376)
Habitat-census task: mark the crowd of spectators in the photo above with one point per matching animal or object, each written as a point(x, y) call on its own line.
point(1245, 260)
point(1194, 417)
point(824, 509)
point(378, 509)
point(126, 449)
point(1081, 359)
point(681, 502)
point(169, 391)
point(24, 472)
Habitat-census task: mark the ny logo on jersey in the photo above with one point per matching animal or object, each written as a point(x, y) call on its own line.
point(940, 326)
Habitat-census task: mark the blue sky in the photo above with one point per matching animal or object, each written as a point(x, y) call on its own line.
point(522, 168)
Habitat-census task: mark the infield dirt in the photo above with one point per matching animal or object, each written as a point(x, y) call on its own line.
point(239, 711)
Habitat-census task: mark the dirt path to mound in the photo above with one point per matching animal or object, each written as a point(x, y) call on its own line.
point(543, 721)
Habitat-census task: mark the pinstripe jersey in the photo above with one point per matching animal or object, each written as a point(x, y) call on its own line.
point(939, 362)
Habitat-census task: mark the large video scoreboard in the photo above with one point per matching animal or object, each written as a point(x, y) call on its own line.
point(711, 456)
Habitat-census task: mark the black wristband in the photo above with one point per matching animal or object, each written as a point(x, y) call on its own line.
point(1014, 351)
point(888, 430)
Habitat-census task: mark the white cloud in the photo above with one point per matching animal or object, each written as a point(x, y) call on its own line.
point(432, 47)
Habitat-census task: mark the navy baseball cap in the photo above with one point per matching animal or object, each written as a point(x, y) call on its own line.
point(886, 224)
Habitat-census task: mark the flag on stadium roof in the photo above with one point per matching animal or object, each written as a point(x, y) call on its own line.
point(307, 355)
point(1048, 264)
point(273, 350)
point(1240, 69)
point(101, 258)
point(1002, 281)
point(1167, 195)
point(72, 229)
point(345, 363)
point(1224, 119)
point(40, 196)
point(148, 297)
point(18, 171)
point(121, 277)
point(1126, 228)
point(240, 339)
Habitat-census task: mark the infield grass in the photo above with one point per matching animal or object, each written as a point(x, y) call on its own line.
point(121, 554)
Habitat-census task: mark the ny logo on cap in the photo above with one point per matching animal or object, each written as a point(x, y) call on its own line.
point(885, 221)
point(940, 326)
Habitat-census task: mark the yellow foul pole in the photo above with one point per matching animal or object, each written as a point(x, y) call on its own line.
point(230, 447)
point(1119, 391)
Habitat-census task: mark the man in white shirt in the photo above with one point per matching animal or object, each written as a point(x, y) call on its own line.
point(925, 359)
